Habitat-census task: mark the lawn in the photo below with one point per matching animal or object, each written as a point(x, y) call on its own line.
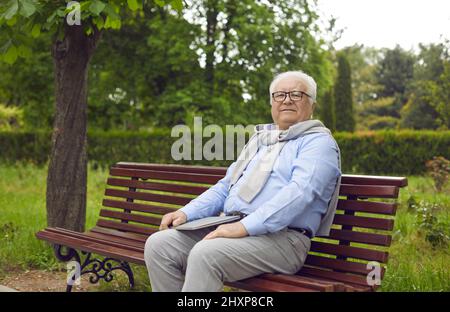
point(419, 255)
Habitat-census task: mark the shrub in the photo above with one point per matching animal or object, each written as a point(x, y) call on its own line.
point(438, 169)
point(435, 230)
point(11, 118)
point(381, 152)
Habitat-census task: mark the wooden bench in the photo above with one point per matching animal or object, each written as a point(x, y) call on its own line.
point(138, 194)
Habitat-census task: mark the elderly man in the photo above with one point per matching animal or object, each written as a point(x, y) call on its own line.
point(284, 184)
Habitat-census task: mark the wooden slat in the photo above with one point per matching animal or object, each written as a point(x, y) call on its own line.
point(88, 238)
point(221, 171)
point(163, 175)
point(258, 284)
point(336, 264)
point(338, 286)
point(296, 280)
point(127, 235)
point(130, 217)
point(349, 251)
point(364, 222)
point(367, 206)
point(114, 238)
point(168, 199)
point(359, 237)
point(331, 275)
point(373, 180)
point(369, 191)
point(175, 188)
point(137, 207)
point(174, 168)
point(120, 240)
point(102, 249)
point(125, 227)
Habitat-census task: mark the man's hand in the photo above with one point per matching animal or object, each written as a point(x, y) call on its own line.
point(173, 218)
point(230, 230)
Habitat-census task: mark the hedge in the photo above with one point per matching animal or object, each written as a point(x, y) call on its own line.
point(379, 152)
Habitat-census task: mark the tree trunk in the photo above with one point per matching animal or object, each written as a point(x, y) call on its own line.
point(211, 24)
point(67, 172)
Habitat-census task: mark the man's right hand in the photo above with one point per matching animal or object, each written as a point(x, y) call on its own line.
point(173, 218)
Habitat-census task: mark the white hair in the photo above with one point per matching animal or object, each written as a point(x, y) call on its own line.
point(311, 86)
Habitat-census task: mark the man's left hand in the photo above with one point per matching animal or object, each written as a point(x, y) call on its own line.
point(230, 230)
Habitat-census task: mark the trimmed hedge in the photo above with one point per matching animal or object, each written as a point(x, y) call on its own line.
point(391, 152)
point(380, 152)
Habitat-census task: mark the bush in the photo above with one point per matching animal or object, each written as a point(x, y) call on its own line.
point(382, 152)
point(391, 152)
point(11, 118)
point(382, 122)
point(439, 170)
point(435, 231)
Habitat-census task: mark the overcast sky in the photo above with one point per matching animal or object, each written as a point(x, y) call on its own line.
point(384, 23)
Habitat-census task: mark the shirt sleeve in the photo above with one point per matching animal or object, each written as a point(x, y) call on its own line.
point(314, 169)
point(211, 202)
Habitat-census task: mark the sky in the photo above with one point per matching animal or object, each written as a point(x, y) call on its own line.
point(385, 23)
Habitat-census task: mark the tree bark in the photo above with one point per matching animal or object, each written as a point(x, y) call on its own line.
point(211, 24)
point(67, 172)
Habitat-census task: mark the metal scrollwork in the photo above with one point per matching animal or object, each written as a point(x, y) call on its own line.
point(98, 268)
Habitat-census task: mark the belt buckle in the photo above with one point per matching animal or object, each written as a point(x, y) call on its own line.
point(303, 232)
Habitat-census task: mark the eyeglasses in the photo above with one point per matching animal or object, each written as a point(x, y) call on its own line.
point(280, 96)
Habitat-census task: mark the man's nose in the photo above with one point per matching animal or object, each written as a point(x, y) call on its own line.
point(287, 100)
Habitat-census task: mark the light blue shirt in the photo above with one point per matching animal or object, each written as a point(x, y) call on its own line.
point(296, 194)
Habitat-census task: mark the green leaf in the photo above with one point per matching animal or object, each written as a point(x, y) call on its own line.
point(51, 17)
point(109, 10)
point(177, 5)
point(24, 51)
point(116, 24)
point(27, 8)
point(61, 13)
point(84, 5)
point(132, 4)
point(97, 7)
point(36, 31)
point(5, 47)
point(11, 10)
point(161, 3)
point(99, 22)
point(11, 55)
point(12, 21)
point(112, 23)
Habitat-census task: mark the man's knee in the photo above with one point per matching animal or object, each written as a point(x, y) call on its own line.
point(206, 253)
point(156, 244)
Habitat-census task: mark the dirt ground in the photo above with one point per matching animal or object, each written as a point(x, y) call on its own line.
point(43, 281)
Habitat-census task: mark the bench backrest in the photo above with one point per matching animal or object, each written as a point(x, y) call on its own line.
point(139, 194)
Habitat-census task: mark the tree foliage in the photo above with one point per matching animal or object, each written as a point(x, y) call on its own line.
point(328, 110)
point(152, 71)
point(343, 95)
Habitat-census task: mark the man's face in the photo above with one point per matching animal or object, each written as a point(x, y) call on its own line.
point(288, 112)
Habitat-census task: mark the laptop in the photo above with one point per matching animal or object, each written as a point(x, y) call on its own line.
point(205, 222)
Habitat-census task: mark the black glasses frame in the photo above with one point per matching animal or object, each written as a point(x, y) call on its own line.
point(286, 94)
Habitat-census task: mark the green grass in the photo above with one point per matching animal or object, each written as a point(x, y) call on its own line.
point(414, 264)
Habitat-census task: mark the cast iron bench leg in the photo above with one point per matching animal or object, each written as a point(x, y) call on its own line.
point(98, 268)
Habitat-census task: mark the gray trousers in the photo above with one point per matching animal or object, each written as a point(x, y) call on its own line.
point(182, 261)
